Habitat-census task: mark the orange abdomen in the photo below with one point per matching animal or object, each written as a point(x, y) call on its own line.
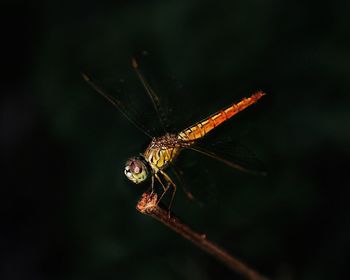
point(203, 127)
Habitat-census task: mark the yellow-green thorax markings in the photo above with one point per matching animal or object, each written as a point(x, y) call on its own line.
point(162, 150)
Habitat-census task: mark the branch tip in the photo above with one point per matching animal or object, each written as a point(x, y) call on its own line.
point(148, 205)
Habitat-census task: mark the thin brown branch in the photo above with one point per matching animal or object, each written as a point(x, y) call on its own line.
point(148, 205)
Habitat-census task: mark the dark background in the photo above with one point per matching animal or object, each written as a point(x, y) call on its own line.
point(68, 212)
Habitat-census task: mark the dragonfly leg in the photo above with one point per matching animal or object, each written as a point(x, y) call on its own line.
point(178, 174)
point(151, 187)
point(161, 183)
point(170, 182)
point(165, 188)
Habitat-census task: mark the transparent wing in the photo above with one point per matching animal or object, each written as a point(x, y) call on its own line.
point(163, 104)
point(160, 111)
point(143, 117)
point(120, 105)
point(178, 173)
point(190, 175)
point(233, 155)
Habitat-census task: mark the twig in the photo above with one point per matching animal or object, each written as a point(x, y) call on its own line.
point(148, 205)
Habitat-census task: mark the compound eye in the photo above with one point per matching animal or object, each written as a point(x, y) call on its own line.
point(136, 170)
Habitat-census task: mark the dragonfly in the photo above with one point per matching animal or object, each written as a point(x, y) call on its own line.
point(163, 150)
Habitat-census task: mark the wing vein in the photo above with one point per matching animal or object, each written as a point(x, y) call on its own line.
point(117, 104)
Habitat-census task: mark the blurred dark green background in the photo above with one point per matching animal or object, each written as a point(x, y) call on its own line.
point(68, 212)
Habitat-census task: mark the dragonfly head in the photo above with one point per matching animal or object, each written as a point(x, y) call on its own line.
point(136, 170)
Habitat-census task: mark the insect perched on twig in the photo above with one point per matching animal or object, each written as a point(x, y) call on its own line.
point(163, 150)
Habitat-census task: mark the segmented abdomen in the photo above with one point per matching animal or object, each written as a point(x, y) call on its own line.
point(203, 127)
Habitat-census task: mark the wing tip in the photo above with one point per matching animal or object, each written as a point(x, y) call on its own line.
point(134, 63)
point(85, 77)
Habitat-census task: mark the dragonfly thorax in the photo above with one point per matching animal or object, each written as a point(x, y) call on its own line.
point(162, 150)
point(136, 170)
